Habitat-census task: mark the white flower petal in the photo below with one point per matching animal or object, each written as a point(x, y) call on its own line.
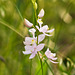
point(29, 48)
point(27, 52)
point(27, 40)
point(48, 53)
point(53, 61)
point(41, 37)
point(54, 54)
point(41, 13)
point(32, 55)
point(54, 58)
point(32, 31)
point(40, 22)
point(40, 47)
point(27, 23)
point(47, 34)
point(34, 45)
point(44, 29)
point(37, 27)
point(50, 31)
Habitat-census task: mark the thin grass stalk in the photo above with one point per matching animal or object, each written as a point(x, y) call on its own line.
point(40, 68)
point(5, 24)
point(49, 67)
point(19, 13)
point(40, 63)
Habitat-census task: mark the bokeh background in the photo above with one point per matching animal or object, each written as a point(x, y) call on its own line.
point(59, 14)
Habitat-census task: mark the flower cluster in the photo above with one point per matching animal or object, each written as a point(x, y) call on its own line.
point(32, 44)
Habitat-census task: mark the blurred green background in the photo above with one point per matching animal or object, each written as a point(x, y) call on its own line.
point(59, 14)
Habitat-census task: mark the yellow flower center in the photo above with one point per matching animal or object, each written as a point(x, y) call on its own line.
point(32, 41)
point(51, 55)
point(31, 50)
point(40, 21)
point(48, 28)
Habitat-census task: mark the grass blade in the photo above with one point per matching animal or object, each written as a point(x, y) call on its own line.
point(49, 67)
point(3, 23)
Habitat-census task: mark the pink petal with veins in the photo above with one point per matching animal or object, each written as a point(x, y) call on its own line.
point(29, 48)
point(40, 47)
point(32, 55)
point(41, 37)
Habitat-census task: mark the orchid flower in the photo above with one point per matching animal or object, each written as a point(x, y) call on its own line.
point(51, 56)
point(33, 40)
point(33, 49)
point(41, 13)
point(32, 44)
point(27, 23)
point(45, 30)
point(29, 40)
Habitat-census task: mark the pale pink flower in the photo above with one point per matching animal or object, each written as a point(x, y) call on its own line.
point(33, 40)
point(40, 22)
point(27, 23)
point(45, 30)
point(51, 56)
point(41, 13)
point(30, 40)
point(33, 49)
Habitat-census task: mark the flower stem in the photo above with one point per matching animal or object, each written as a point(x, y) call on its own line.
point(41, 66)
point(31, 67)
point(41, 63)
point(35, 23)
point(49, 67)
point(39, 56)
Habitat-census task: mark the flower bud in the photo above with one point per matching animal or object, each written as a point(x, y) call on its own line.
point(27, 23)
point(33, 1)
point(41, 13)
point(35, 5)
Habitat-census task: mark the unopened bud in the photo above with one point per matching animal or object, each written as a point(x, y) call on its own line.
point(35, 5)
point(41, 13)
point(27, 23)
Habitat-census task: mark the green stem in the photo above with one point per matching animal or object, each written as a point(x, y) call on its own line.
point(41, 63)
point(35, 14)
point(31, 67)
point(40, 69)
point(41, 66)
point(39, 56)
point(49, 66)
